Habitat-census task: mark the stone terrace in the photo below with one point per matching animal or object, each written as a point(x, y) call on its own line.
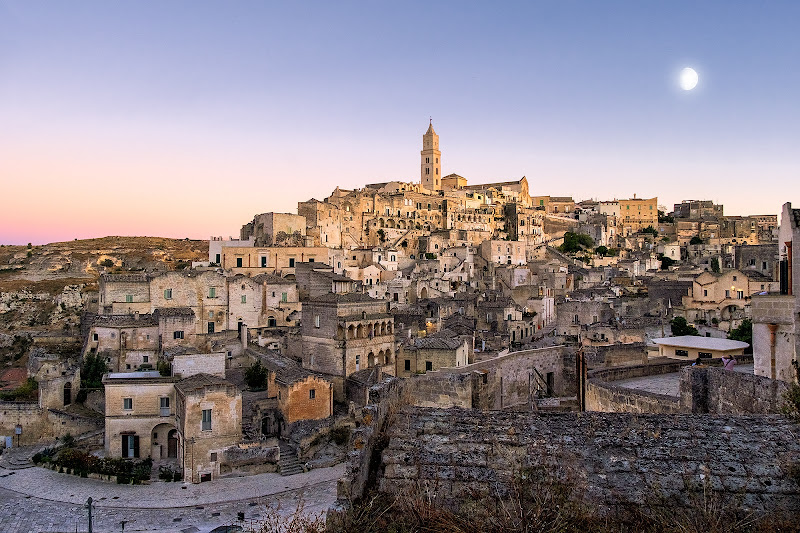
point(613, 458)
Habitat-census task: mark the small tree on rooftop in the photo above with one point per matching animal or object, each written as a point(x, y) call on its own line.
point(696, 240)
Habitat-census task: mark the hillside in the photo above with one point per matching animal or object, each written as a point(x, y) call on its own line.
point(44, 289)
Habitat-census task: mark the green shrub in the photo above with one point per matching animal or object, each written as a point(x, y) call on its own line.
point(256, 376)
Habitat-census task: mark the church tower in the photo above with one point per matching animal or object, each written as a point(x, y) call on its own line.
point(431, 167)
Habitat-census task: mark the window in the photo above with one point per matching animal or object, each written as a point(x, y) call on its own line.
point(407, 366)
point(217, 258)
point(734, 278)
point(263, 261)
point(212, 292)
point(682, 353)
point(206, 419)
point(244, 298)
point(705, 292)
point(239, 262)
point(211, 315)
point(704, 355)
point(312, 394)
point(164, 406)
point(316, 321)
point(129, 298)
point(211, 327)
point(727, 294)
point(177, 334)
point(213, 457)
point(127, 404)
point(168, 294)
point(145, 359)
point(428, 366)
point(358, 362)
point(740, 294)
point(291, 262)
point(95, 337)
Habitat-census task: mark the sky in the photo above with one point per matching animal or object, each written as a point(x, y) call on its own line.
point(186, 118)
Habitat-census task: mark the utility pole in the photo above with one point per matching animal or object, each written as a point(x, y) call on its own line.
point(89, 506)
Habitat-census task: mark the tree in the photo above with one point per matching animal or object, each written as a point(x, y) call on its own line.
point(696, 240)
point(651, 230)
point(602, 251)
point(575, 242)
point(382, 235)
point(256, 376)
point(663, 218)
point(743, 333)
point(715, 265)
point(666, 262)
point(680, 327)
point(94, 366)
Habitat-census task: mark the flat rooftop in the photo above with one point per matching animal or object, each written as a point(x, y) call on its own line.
point(708, 343)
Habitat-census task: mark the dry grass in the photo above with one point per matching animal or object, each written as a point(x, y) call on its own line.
point(540, 504)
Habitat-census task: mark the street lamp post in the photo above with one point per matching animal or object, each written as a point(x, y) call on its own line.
point(89, 506)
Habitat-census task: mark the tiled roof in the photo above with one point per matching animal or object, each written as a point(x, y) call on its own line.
point(348, 297)
point(174, 311)
point(125, 321)
point(126, 277)
point(286, 370)
point(438, 343)
point(200, 381)
point(271, 279)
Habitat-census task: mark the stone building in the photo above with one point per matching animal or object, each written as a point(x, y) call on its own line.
point(121, 294)
point(432, 353)
point(140, 416)
point(276, 229)
point(293, 394)
point(208, 414)
point(343, 333)
point(776, 343)
point(126, 342)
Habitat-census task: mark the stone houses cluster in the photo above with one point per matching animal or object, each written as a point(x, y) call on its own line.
point(409, 279)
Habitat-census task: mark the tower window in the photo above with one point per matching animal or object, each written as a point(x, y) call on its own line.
point(427, 171)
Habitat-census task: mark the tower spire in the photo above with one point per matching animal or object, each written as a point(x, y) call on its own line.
point(431, 157)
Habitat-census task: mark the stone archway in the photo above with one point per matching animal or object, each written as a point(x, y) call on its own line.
point(165, 442)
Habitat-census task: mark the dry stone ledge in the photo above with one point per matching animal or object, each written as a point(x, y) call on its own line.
point(613, 458)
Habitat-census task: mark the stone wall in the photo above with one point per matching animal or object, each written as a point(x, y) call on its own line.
point(42, 425)
point(613, 459)
point(610, 398)
point(196, 363)
point(603, 395)
point(718, 391)
point(509, 380)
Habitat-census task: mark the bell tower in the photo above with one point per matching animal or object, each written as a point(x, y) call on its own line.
point(431, 160)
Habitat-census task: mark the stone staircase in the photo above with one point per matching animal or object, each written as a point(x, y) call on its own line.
point(288, 463)
point(19, 458)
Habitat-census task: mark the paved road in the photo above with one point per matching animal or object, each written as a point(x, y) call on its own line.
point(668, 384)
point(40, 500)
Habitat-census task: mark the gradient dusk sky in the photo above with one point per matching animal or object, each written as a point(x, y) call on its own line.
point(186, 118)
